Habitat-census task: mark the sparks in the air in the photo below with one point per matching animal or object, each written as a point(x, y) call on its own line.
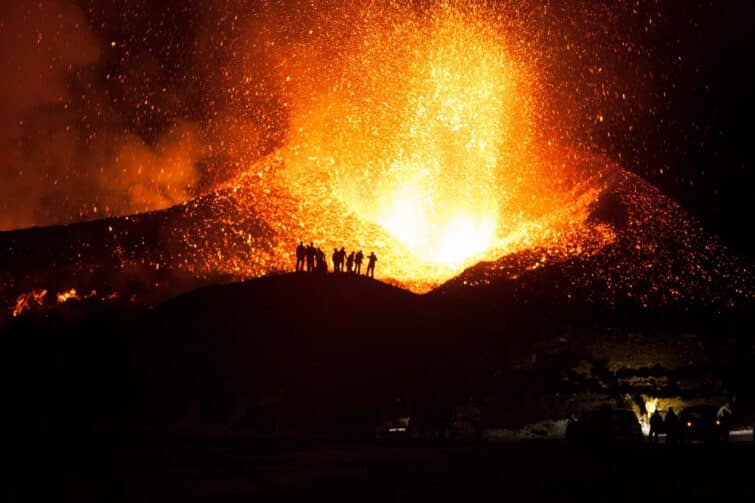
point(425, 130)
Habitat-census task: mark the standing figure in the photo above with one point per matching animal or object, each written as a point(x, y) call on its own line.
point(723, 417)
point(301, 253)
point(322, 264)
point(371, 259)
point(358, 261)
point(350, 262)
point(656, 425)
point(336, 256)
point(673, 427)
point(311, 257)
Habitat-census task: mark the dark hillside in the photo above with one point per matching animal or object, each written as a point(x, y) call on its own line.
point(304, 354)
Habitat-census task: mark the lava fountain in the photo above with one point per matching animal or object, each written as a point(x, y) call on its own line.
point(436, 134)
point(416, 133)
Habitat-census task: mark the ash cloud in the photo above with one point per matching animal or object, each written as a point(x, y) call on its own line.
point(68, 150)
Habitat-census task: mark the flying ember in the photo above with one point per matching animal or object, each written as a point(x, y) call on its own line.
point(421, 152)
point(419, 140)
point(456, 140)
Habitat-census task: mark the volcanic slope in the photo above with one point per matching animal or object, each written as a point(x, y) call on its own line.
point(658, 255)
point(143, 259)
point(236, 233)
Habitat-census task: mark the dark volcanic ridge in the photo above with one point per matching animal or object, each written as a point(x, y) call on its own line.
point(321, 354)
point(660, 257)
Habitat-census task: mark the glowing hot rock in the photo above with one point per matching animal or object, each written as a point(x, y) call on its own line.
point(413, 220)
point(412, 134)
point(424, 152)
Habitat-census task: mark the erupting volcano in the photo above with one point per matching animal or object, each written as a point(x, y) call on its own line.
point(421, 139)
point(427, 155)
point(438, 136)
point(244, 244)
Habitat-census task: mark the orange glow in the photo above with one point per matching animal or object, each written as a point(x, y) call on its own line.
point(440, 135)
point(421, 144)
point(424, 154)
point(28, 300)
point(67, 295)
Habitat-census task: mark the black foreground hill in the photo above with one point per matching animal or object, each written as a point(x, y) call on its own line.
point(317, 354)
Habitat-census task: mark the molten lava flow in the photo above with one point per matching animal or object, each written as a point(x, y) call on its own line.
point(67, 295)
point(27, 300)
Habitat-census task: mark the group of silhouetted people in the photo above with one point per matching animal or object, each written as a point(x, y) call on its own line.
point(312, 259)
point(309, 258)
point(671, 425)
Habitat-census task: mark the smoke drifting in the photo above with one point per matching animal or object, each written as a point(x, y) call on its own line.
point(68, 152)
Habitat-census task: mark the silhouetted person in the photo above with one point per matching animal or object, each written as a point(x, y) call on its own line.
point(321, 263)
point(358, 261)
point(724, 421)
point(350, 262)
point(673, 427)
point(656, 425)
point(301, 254)
point(342, 258)
point(311, 257)
point(371, 260)
point(336, 256)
